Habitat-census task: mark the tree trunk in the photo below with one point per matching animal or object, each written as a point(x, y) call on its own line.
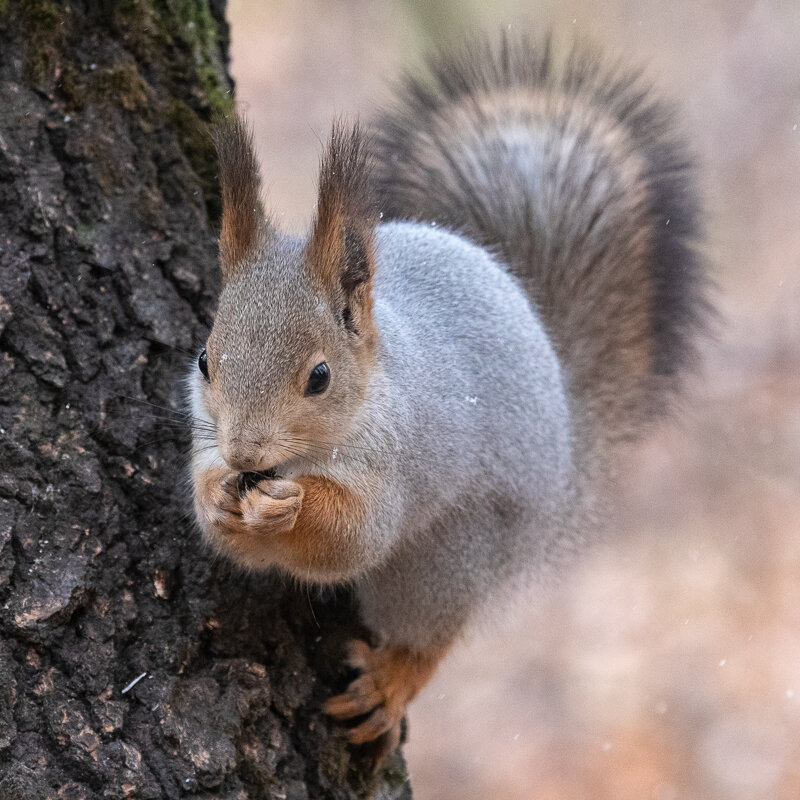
point(132, 664)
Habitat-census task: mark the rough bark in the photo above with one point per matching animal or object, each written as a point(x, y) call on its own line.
point(107, 278)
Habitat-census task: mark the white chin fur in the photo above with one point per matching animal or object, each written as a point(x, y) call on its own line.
point(204, 456)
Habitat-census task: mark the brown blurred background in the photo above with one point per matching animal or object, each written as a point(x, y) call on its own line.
point(667, 665)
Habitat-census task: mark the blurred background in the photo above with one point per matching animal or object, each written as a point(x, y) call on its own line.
point(667, 665)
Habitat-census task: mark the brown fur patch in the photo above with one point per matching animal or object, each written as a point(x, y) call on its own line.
point(341, 248)
point(323, 537)
point(244, 223)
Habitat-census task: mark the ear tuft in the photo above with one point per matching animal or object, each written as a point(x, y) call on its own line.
point(358, 266)
point(244, 224)
point(341, 249)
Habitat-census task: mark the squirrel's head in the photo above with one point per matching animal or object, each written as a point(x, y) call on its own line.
point(286, 365)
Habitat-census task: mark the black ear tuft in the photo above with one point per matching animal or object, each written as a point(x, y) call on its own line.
point(348, 321)
point(357, 268)
point(244, 223)
point(340, 250)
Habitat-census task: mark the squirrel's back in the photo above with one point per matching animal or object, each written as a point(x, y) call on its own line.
point(575, 178)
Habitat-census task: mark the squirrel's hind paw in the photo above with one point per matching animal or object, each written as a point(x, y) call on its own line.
point(391, 678)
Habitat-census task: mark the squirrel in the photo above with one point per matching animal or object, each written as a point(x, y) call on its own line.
point(425, 397)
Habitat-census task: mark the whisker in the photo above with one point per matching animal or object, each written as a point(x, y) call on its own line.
point(334, 452)
point(174, 430)
point(202, 429)
point(178, 417)
point(299, 454)
point(318, 464)
point(342, 446)
point(341, 451)
point(170, 346)
point(142, 445)
point(349, 446)
point(183, 423)
point(204, 448)
point(148, 403)
point(199, 439)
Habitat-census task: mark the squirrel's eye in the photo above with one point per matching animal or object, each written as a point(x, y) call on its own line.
point(319, 379)
point(202, 362)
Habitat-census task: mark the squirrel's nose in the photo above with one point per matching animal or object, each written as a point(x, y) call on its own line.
point(241, 457)
point(250, 457)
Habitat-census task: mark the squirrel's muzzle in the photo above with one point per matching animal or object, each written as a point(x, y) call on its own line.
point(245, 456)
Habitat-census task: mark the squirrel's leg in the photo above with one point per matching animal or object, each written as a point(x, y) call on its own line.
point(391, 676)
point(417, 603)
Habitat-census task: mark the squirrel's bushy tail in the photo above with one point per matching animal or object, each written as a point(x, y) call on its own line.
point(574, 176)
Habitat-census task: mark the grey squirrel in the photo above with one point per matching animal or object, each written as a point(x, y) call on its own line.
point(425, 396)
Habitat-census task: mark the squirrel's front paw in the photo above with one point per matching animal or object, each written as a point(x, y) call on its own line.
point(217, 499)
point(390, 679)
point(227, 507)
point(271, 506)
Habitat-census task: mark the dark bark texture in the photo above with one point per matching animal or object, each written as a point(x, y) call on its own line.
point(108, 203)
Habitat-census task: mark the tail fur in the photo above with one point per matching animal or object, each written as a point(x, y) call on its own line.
point(574, 176)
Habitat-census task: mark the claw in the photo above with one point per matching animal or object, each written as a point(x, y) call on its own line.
point(386, 745)
point(378, 723)
point(361, 696)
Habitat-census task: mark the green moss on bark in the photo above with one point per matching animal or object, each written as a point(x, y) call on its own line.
point(131, 78)
point(121, 85)
point(41, 13)
point(188, 25)
point(40, 20)
point(199, 30)
point(199, 150)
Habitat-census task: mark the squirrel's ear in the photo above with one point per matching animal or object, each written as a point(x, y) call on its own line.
point(341, 248)
point(244, 223)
